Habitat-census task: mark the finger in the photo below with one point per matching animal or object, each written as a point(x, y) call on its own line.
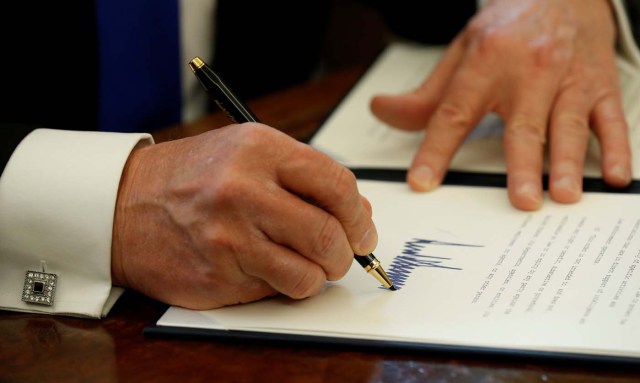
point(461, 108)
point(308, 230)
point(569, 138)
point(411, 110)
point(524, 142)
point(312, 174)
point(611, 129)
point(283, 269)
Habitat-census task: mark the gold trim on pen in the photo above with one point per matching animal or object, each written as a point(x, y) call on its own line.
point(196, 63)
point(373, 265)
point(378, 272)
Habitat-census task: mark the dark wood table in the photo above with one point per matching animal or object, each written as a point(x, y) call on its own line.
point(41, 348)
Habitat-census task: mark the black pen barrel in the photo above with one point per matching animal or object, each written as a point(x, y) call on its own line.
point(222, 95)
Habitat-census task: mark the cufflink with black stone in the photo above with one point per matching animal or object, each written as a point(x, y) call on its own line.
point(39, 287)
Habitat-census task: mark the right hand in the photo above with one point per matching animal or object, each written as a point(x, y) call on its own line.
point(235, 215)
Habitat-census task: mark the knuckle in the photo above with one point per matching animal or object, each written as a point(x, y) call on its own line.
point(217, 239)
point(457, 117)
point(226, 191)
point(326, 241)
point(340, 269)
point(572, 124)
point(330, 251)
point(487, 40)
point(550, 53)
point(254, 130)
point(306, 285)
point(344, 181)
point(341, 186)
point(490, 39)
point(480, 31)
point(610, 115)
point(522, 129)
point(546, 51)
point(614, 119)
point(256, 135)
point(301, 156)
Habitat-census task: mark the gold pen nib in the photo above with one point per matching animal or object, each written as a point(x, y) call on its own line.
point(371, 265)
point(382, 277)
point(196, 63)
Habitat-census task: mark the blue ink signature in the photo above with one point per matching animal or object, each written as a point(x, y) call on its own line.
point(402, 265)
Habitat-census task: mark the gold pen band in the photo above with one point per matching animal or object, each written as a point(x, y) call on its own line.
point(373, 265)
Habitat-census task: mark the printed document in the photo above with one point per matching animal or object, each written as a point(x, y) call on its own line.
point(473, 271)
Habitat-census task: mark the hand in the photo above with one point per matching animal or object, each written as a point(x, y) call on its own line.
point(547, 67)
point(235, 215)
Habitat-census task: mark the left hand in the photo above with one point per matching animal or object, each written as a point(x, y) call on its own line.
point(547, 67)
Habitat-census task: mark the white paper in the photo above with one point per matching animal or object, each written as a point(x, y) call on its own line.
point(474, 271)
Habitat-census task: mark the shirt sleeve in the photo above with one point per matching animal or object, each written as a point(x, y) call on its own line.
point(57, 201)
point(627, 46)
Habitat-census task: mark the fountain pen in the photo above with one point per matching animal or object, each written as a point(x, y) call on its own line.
point(238, 112)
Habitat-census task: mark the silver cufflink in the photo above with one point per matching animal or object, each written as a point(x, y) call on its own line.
point(39, 286)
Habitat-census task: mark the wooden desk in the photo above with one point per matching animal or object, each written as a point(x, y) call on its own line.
point(39, 348)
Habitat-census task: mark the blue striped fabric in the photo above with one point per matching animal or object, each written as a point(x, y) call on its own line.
point(139, 88)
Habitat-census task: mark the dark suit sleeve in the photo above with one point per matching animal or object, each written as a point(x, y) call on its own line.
point(40, 85)
point(49, 65)
point(632, 8)
point(10, 137)
point(437, 25)
point(275, 35)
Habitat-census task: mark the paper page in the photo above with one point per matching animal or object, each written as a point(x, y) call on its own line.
point(353, 136)
point(473, 271)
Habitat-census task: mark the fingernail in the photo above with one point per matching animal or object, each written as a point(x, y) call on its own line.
point(567, 186)
point(421, 178)
point(368, 242)
point(529, 191)
point(621, 172)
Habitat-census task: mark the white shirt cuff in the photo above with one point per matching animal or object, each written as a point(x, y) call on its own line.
point(57, 200)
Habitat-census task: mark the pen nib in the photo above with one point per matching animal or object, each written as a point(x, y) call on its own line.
point(372, 266)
